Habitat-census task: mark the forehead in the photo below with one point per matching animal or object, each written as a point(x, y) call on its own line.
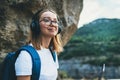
point(48, 14)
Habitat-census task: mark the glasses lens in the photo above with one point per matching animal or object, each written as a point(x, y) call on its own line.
point(49, 22)
point(55, 23)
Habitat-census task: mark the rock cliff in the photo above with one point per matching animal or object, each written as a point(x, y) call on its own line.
point(15, 18)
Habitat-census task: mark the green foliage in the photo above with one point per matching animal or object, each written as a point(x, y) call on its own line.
point(114, 61)
point(63, 74)
point(100, 37)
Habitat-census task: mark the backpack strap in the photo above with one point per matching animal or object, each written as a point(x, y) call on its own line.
point(53, 53)
point(35, 61)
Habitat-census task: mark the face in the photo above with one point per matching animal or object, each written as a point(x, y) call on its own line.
point(48, 24)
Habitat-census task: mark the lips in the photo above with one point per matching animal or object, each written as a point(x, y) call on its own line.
point(51, 29)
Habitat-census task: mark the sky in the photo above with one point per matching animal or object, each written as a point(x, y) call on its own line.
point(94, 9)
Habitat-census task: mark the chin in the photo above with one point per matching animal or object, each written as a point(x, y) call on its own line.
point(52, 35)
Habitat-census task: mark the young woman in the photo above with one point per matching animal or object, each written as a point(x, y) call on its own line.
point(44, 33)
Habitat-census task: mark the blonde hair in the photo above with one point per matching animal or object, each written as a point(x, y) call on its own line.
point(55, 41)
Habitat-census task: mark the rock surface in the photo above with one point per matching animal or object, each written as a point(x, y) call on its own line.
point(15, 18)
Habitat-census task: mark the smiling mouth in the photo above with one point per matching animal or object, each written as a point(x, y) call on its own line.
point(51, 29)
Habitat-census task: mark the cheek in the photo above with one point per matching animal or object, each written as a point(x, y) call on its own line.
point(42, 27)
point(57, 29)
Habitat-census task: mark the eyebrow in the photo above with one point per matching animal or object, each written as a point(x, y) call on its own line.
point(50, 18)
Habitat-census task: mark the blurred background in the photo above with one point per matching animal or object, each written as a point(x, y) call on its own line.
point(93, 51)
point(91, 35)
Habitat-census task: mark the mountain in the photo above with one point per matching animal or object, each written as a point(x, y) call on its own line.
point(101, 30)
point(100, 37)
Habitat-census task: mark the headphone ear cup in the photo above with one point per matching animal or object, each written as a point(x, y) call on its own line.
point(32, 25)
point(35, 28)
point(59, 30)
point(60, 26)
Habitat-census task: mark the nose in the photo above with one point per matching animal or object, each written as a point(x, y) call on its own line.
point(51, 23)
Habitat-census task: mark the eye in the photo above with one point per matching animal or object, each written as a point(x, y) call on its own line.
point(46, 20)
point(55, 22)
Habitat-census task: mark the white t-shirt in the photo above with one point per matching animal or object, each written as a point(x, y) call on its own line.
point(23, 65)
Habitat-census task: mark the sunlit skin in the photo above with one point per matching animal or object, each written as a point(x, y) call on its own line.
point(47, 32)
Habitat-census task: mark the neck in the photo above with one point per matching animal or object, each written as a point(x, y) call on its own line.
point(45, 42)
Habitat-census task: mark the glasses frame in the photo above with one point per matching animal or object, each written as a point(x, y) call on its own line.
point(48, 21)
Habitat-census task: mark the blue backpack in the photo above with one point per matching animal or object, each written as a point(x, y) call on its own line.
point(7, 70)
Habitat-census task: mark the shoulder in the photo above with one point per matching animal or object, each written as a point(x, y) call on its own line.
point(24, 56)
point(23, 64)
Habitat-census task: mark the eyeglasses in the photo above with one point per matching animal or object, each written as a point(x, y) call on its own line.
point(49, 21)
